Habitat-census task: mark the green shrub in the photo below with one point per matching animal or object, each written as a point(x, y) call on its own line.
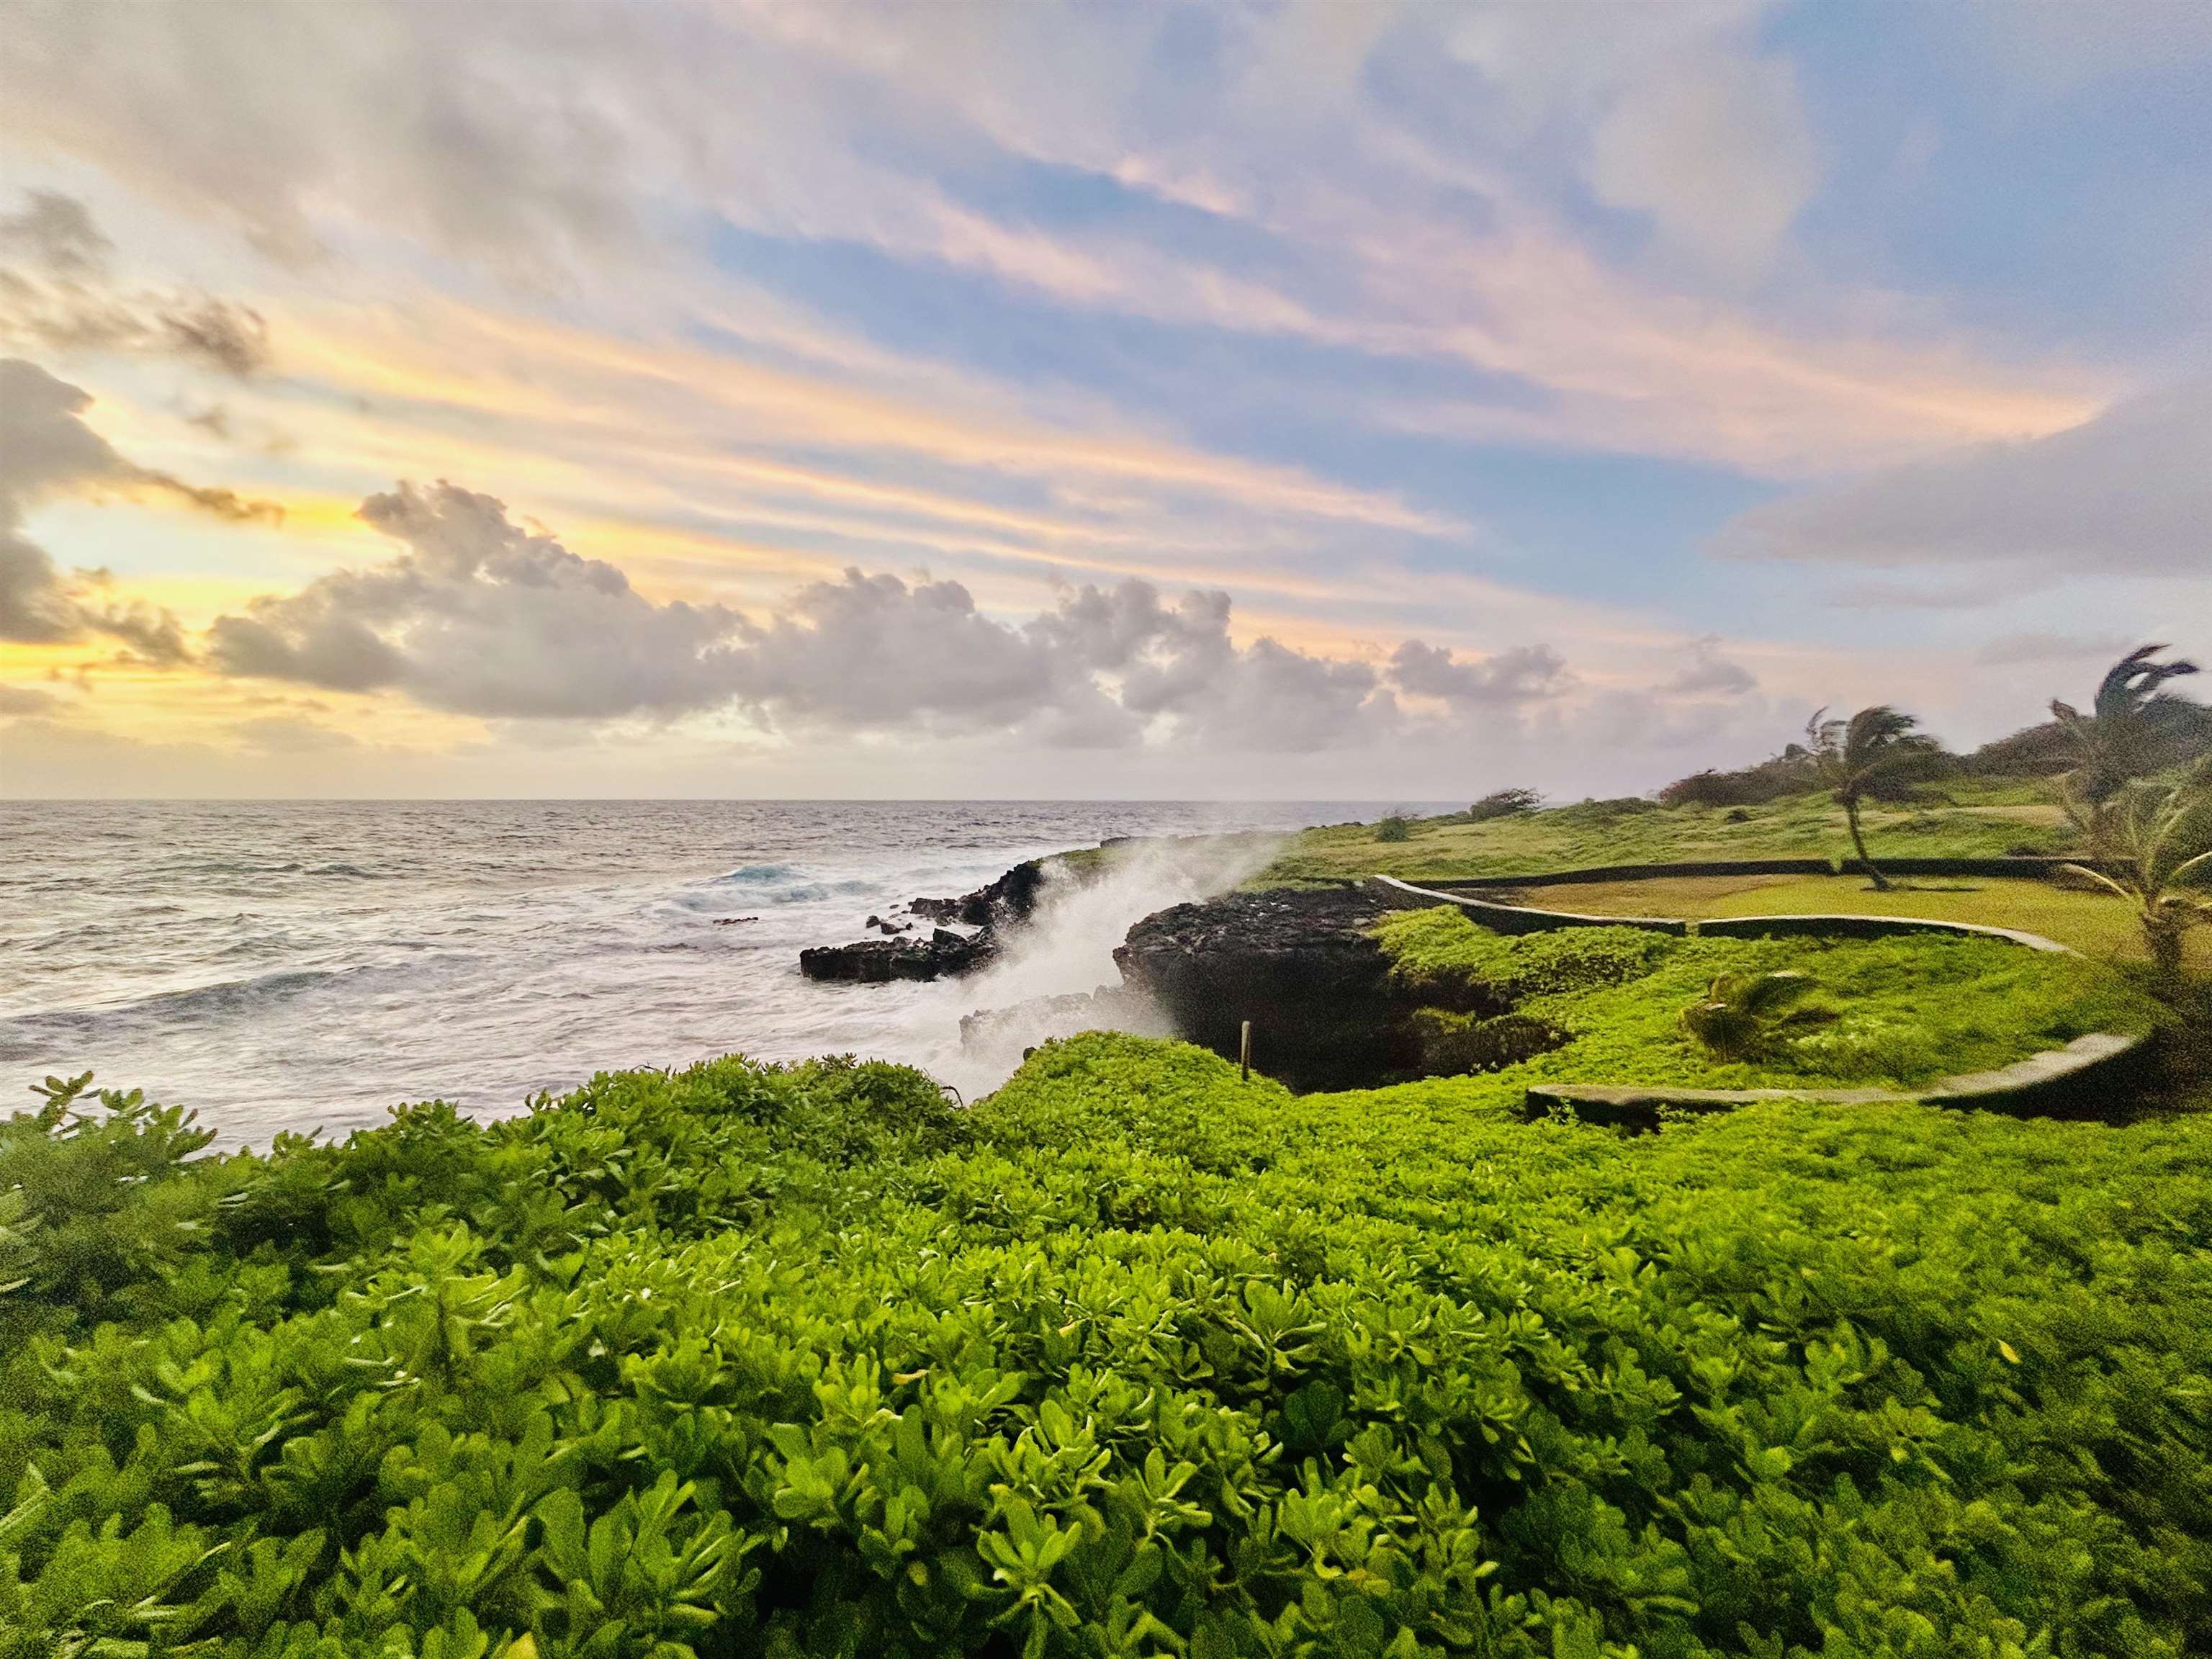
point(1454, 1043)
point(1442, 943)
point(1394, 828)
point(1132, 1357)
point(1504, 804)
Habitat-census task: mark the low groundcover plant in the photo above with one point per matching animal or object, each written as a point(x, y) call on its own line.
point(1133, 1358)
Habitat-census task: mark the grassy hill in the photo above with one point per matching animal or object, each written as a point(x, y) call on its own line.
point(1978, 819)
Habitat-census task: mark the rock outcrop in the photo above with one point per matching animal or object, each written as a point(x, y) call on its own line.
point(1012, 898)
point(875, 961)
point(1298, 965)
point(1326, 1011)
point(1007, 901)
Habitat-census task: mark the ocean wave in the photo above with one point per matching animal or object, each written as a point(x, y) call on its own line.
point(757, 884)
point(224, 997)
point(502, 946)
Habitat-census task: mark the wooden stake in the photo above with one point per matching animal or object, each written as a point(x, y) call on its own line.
point(1244, 1052)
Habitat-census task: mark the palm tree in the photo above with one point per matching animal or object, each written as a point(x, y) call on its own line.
point(2164, 841)
point(2116, 741)
point(1876, 753)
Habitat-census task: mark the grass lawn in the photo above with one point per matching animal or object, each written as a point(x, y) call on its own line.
point(1977, 821)
point(1901, 1011)
point(2096, 924)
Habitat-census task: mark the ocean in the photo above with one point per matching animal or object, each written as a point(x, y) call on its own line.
point(306, 965)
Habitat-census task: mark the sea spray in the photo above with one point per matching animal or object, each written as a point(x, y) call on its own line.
point(1056, 977)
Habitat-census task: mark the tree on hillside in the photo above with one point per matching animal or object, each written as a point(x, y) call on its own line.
point(1876, 753)
point(2121, 738)
point(2162, 834)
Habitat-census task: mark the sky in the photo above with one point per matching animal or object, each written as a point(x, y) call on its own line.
point(1335, 401)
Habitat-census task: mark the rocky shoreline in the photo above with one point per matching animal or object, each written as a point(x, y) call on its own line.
point(1010, 899)
point(878, 961)
point(1299, 964)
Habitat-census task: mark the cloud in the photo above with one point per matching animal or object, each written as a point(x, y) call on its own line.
point(1910, 592)
point(480, 615)
point(290, 734)
point(1333, 212)
point(46, 449)
point(1717, 149)
point(23, 701)
point(1522, 674)
point(2128, 493)
point(872, 652)
point(42, 447)
point(2010, 649)
point(60, 298)
point(58, 232)
point(1687, 122)
point(1272, 697)
point(263, 118)
point(1098, 670)
point(1708, 674)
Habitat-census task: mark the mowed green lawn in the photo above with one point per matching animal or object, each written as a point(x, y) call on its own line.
point(1975, 820)
point(2096, 924)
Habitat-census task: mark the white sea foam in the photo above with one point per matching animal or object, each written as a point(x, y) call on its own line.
point(1066, 949)
point(290, 965)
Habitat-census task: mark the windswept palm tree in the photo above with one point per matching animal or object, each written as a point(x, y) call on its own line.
point(2163, 835)
point(1876, 752)
point(2116, 740)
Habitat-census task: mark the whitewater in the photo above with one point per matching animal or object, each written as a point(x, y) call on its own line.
point(306, 965)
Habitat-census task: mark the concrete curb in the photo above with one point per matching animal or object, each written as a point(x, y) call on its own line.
point(2038, 1083)
point(2018, 865)
point(1527, 918)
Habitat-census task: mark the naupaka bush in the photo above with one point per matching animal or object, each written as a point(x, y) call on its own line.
point(1133, 1358)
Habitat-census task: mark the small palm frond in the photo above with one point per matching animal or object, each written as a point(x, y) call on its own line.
point(1770, 994)
point(2163, 836)
point(2101, 879)
point(1743, 1013)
